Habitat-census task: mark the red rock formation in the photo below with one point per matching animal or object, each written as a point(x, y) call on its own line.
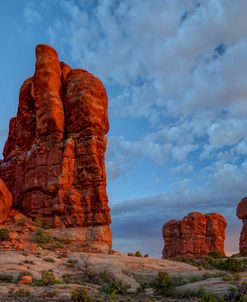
point(242, 214)
point(194, 236)
point(5, 202)
point(54, 156)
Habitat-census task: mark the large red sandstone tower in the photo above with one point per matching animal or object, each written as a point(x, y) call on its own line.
point(54, 156)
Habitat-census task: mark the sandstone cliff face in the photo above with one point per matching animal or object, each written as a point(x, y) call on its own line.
point(242, 214)
point(54, 156)
point(194, 236)
point(5, 202)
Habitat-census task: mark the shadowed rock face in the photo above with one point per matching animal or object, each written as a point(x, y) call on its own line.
point(242, 214)
point(194, 236)
point(54, 156)
point(5, 202)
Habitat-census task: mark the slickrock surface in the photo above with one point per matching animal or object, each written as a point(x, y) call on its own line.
point(242, 214)
point(5, 202)
point(194, 236)
point(83, 270)
point(54, 156)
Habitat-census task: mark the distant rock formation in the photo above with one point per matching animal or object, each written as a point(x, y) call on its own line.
point(5, 202)
point(242, 214)
point(194, 236)
point(54, 156)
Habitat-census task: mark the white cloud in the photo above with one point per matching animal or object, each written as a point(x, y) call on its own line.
point(241, 148)
point(31, 15)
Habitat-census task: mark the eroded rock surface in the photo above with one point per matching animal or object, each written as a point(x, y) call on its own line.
point(5, 202)
point(194, 236)
point(54, 156)
point(242, 214)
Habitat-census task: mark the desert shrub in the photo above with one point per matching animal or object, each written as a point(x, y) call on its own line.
point(72, 263)
point(113, 286)
point(138, 254)
point(188, 293)
point(41, 237)
point(215, 254)
point(163, 284)
point(237, 293)
point(4, 234)
point(26, 273)
point(28, 261)
point(22, 292)
point(230, 264)
point(6, 278)
point(49, 259)
point(142, 287)
point(40, 223)
point(80, 295)
point(210, 298)
point(48, 278)
point(63, 255)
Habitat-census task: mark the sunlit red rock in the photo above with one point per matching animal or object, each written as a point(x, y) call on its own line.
point(242, 214)
point(54, 156)
point(195, 235)
point(5, 202)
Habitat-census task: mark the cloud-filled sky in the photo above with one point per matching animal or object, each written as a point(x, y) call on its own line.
point(175, 72)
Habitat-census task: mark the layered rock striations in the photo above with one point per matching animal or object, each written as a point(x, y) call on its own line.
point(54, 155)
point(5, 202)
point(242, 214)
point(194, 236)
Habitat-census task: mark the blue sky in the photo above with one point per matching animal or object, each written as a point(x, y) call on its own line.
point(176, 77)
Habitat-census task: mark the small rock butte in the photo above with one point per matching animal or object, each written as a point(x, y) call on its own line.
point(54, 155)
point(194, 236)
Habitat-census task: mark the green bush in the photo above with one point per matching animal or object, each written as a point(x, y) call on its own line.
point(112, 286)
point(48, 278)
point(138, 254)
point(215, 254)
point(4, 234)
point(41, 237)
point(40, 223)
point(49, 259)
point(230, 264)
point(6, 278)
point(142, 287)
point(80, 295)
point(243, 298)
point(209, 298)
point(163, 284)
point(189, 293)
point(72, 263)
point(237, 293)
point(22, 292)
